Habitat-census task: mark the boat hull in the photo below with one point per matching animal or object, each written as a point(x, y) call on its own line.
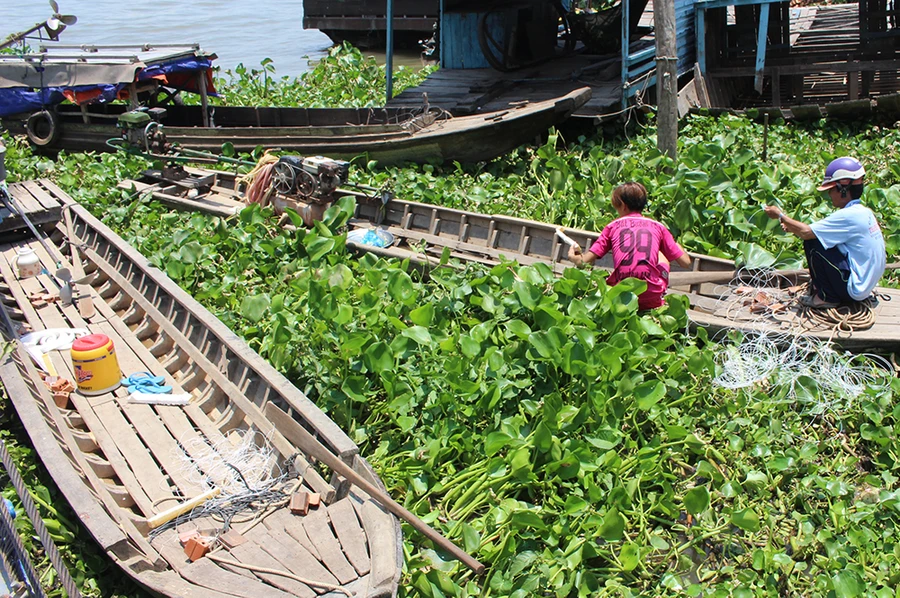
point(389, 136)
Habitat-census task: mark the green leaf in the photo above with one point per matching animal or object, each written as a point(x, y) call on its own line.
point(613, 527)
point(496, 442)
point(696, 500)
point(469, 346)
point(753, 256)
point(649, 393)
point(418, 334)
point(471, 538)
point(630, 556)
point(317, 246)
point(518, 328)
point(379, 357)
point(529, 295)
point(254, 308)
point(746, 519)
point(575, 505)
point(400, 287)
point(355, 387)
point(847, 584)
point(423, 315)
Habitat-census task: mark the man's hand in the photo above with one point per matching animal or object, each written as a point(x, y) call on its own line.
point(788, 224)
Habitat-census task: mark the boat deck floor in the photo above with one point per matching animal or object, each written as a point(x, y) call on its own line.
point(39, 206)
point(775, 312)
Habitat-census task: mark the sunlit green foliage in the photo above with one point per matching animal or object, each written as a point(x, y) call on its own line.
point(345, 78)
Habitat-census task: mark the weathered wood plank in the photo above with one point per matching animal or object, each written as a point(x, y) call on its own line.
point(350, 534)
point(293, 553)
point(252, 554)
point(293, 525)
point(321, 535)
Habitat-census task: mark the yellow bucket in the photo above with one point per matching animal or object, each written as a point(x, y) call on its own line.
point(96, 367)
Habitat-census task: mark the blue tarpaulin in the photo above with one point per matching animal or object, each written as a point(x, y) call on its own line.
point(178, 73)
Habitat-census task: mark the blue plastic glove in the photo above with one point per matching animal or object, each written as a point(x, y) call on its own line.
point(146, 382)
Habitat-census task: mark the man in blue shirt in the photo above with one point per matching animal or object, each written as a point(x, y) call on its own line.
point(845, 250)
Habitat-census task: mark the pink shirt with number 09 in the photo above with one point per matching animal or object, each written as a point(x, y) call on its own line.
point(636, 242)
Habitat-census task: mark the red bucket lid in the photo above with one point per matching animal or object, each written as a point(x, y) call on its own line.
point(90, 342)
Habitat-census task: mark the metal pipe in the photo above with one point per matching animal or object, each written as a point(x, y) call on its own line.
point(389, 55)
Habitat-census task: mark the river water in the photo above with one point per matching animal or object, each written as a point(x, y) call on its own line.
point(237, 31)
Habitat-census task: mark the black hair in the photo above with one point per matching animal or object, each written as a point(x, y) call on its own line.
point(632, 194)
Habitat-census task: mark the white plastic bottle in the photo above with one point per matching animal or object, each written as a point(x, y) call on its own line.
point(27, 262)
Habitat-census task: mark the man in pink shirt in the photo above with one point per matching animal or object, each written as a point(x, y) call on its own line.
point(641, 247)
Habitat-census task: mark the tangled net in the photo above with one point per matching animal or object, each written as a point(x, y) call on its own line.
point(246, 473)
point(783, 359)
point(796, 369)
point(765, 296)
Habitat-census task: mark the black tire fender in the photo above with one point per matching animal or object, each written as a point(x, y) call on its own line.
point(43, 128)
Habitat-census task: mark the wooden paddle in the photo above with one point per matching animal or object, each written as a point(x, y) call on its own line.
point(681, 278)
point(305, 441)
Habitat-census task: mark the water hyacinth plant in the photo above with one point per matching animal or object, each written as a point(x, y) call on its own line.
point(576, 446)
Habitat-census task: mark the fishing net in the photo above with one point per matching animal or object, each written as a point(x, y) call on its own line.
point(18, 577)
point(799, 370)
point(244, 468)
point(765, 296)
point(776, 354)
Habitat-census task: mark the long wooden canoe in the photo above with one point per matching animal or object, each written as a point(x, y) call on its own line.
point(389, 135)
point(721, 298)
point(126, 468)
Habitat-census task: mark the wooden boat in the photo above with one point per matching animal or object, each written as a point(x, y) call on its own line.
point(128, 469)
point(721, 298)
point(420, 134)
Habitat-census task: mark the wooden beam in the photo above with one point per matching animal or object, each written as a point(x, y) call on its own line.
point(806, 68)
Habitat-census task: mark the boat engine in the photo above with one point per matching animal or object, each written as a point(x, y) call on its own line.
point(312, 179)
point(142, 128)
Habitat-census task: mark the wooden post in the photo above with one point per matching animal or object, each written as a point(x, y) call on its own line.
point(666, 78)
point(133, 92)
point(776, 88)
point(204, 100)
point(853, 85)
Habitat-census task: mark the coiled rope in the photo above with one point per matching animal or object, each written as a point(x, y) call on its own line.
point(843, 320)
point(259, 180)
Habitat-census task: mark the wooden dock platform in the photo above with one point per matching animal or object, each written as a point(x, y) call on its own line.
point(463, 91)
point(38, 203)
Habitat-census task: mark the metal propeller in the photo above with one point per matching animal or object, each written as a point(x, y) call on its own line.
point(53, 26)
point(56, 23)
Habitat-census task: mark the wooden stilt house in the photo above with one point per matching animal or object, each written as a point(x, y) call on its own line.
point(495, 53)
point(768, 53)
